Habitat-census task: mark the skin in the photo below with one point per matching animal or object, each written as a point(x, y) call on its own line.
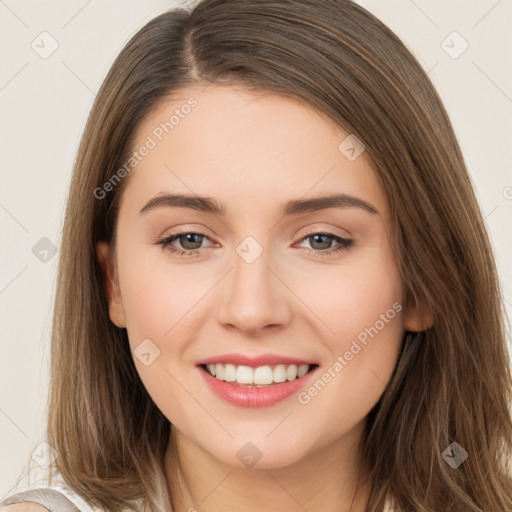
point(253, 152)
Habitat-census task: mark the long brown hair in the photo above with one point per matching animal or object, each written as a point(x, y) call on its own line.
point(452, 382)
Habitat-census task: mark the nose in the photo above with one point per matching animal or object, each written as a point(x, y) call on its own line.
point(253, 297)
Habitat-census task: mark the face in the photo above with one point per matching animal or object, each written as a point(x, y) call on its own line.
point(260, 279)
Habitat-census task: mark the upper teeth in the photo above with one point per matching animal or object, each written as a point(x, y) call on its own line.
point(258, 376)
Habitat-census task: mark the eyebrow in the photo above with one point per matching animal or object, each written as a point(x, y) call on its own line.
point(292, 207)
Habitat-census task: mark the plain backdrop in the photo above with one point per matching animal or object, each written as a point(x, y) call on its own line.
point(44, 101)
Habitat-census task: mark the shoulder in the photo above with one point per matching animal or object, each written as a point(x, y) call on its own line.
point(24, 506)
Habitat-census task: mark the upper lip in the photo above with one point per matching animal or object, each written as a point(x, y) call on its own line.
point(253, 362)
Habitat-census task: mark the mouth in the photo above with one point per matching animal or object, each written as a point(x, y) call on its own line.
point(256, 386)
point(255, 381)
point(257, 377)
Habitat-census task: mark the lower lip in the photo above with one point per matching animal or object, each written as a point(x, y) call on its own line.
point(243, 396)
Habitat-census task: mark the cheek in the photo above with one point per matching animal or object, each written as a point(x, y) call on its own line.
point(160, 302)
point(365, 309)
point(365, 295)
point(354, 296)
point(158, 296)
point(362, 307)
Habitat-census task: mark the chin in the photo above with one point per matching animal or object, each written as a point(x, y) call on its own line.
point(259, 454)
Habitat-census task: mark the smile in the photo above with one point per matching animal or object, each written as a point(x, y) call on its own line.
point(258, 377)
point(259, 386)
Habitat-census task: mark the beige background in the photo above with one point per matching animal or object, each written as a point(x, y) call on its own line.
point(44, 103)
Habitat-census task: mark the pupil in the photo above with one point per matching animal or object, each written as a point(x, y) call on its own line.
point(190, 238)
point(327, 241)
point(191, 241)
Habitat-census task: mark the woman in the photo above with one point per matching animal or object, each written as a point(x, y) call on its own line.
point(249, 370)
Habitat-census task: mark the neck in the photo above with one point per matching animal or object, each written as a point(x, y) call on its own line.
point(325, 480)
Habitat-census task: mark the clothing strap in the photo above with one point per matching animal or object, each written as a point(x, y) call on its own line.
point(53, 500)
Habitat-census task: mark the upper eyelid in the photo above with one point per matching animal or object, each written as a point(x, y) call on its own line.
point(329, 232)
point(314, 230)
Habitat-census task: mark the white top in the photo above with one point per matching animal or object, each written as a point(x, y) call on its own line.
point(34, 486)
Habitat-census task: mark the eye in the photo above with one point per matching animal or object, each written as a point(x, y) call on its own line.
point(191, 242)
point(321, 243)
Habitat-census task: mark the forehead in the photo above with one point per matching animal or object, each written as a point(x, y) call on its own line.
point(248, 150)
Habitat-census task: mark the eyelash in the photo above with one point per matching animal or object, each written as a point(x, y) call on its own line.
point(345, 244)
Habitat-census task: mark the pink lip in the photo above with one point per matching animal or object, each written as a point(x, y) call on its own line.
point(253, 362)
point(251, 396)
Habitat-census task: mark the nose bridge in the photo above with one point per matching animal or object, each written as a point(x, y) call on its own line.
point(253, 296)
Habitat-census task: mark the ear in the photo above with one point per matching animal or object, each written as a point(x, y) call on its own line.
point(417, 317)
point(111, 288)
